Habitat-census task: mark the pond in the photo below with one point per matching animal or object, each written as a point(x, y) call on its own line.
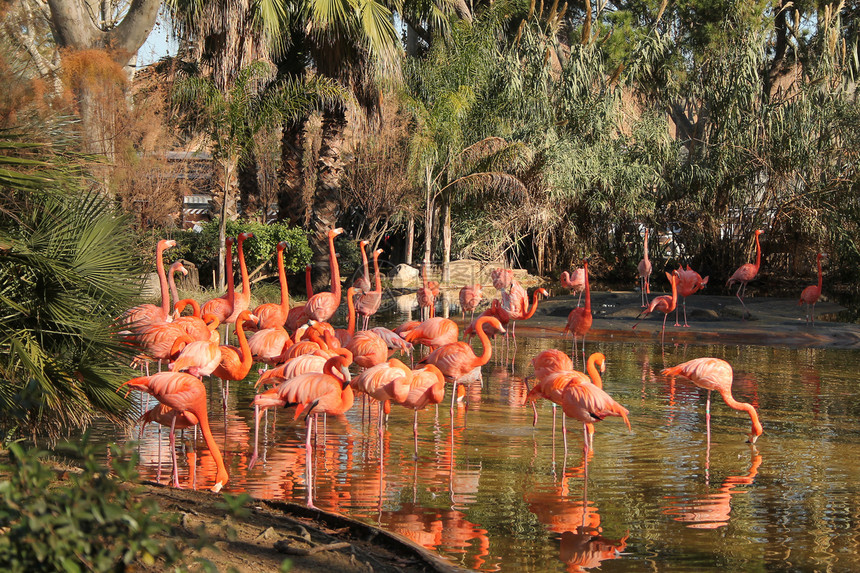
point(491, 492)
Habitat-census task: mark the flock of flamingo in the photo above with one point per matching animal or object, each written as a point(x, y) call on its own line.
point(307, 361)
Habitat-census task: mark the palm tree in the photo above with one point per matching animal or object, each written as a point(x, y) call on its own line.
point(67, 269)
point(253, 102)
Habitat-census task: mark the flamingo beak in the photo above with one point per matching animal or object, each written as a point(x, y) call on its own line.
point(217, 487)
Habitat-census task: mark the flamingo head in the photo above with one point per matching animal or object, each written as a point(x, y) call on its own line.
point(378, 252)
point(758, 232)
point(229, 241)
point(244, 236)
point(335, 232)
point(166, 243)
point(363, 243)
point(542, 291)
point(282, 245)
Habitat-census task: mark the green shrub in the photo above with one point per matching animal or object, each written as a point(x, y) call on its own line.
point(94, 520)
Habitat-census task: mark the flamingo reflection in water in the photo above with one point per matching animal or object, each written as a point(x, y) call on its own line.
point(578, 524)
point(713, 510)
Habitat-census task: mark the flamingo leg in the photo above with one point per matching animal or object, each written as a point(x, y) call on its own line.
point(564, 433)
point(415, 435)
point(662, 330)
point(309, 460)
point(173, 453)
point(684, 302)
point(256, 436)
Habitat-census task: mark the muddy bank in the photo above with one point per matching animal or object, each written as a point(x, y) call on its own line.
point(268, 532)
point(711, 318)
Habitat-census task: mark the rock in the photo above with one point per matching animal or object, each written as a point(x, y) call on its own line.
point(405, 276)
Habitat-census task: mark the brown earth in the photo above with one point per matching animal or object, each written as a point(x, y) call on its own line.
point(320, 542)
point(271, 532)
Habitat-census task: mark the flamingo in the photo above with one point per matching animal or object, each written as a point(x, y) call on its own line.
point(434, 332)
point(241, 300)
point(197, 328)
point(393, 340)
point(187, 395)
point(427, 387)
point(236, 362)
point(311, 362)
point(579, 320)
point(496, 311)
point(322, 306)
point(644, 269)
point(574, 282)
point(552, 383)
point(589, 404)
point(746, 273)
point(526, 313)
point(297, 315)
point(222, 306)
point(165, 416)
point(810, 294)
point(163, 341)
point(199, 358)
point(271, 315)
point(368, 349)
point(715, 374)
point(368, 303)
point(426, 297)
point(664, 304)
point(144, 315)
point(689, 282)
point(386, 381)
point(344, 335)
point(270, 345)
point(457, 359)
point(470, 298)
point(313, 393)
point(362, 283)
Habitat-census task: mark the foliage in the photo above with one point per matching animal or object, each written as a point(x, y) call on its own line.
point(67, 269)
point(91, 520)
point(202, 248)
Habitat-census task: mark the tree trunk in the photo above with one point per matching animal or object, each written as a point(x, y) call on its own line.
point(292, 206)
point(410, 239)
point(249, 190)
point(229, 167)
point(428, 215)
point(446, 239)
point(326, 202)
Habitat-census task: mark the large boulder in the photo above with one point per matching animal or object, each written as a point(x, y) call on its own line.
point(405, 276)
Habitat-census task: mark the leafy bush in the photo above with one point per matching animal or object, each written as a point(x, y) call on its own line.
point(202, 248)
point(90, 521)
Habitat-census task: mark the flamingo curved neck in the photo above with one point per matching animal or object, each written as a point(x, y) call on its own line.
point(335, 271)
point(221, 476)
point(592, 370)
point(195, 306)
point(485, 342)
point(246, 286)
point(228, 263)
point(247, 359)
point(646, 244)
point(282, 279)
point(378, 281)
point(743, 407)
point(587, 289)
point(532, 310)
point(364, 262)
point(308, 286)
point(171, 280)
point(350, 305)
point(757, 253)
point(162, 278)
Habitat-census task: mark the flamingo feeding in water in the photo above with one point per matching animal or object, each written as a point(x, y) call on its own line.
point(187, 395)
point(746, 273)
point(715, 374)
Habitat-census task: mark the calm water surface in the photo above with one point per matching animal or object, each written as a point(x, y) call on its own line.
point(491, 492)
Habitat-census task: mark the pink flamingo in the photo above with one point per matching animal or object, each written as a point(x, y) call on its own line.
point(664, 304)
point(144, 315)
point(368, 303)
point(222, 306)
point(574, 282)
point(362, 283)
point(241, 300)
point(580, 319)
point(427, 387)
point(323, 305)
point(470, 298)
point(426, 297)
point(810, 294)
point(689, 282)
point(746, 273)
point(715, 374)
point(187, 395)
point(271, 315)
point(176, 267)
point(434, 332)
point(644, 269)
